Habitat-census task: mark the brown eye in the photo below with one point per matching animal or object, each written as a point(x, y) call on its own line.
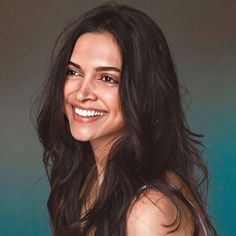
point(71, 72)
point(109, 79)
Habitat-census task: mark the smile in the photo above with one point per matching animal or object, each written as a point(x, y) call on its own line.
point(88, 113)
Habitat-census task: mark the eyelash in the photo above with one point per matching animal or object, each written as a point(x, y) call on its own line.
point(71, 72)
point(111, 80)
point(104, 78)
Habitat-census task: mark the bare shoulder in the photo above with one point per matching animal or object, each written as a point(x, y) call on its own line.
point(154, 214)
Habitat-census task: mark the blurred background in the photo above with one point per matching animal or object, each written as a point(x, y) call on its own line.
point(202, 37)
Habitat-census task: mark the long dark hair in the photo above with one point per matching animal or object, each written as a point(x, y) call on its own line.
point(157, 138)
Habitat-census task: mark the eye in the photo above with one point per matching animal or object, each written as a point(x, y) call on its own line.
point(72, 72)
point(109, 79)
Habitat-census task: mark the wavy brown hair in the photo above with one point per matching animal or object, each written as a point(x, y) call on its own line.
point(157, 137)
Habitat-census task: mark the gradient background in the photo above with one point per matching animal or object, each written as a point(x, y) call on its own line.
point(202, 36)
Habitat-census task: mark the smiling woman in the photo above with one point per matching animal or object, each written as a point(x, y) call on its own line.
point(92, 90)
point(118, 152)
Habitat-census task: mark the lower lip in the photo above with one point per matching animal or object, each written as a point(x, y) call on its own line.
point(86, 119)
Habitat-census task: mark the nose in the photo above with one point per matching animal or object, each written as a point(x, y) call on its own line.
point(86, 90)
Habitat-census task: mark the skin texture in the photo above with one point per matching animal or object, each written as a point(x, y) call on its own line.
point(91, 86)
point(152, 210)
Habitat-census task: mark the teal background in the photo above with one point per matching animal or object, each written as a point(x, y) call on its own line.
point(202, 36)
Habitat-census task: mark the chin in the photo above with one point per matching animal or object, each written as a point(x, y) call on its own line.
point(80, 137)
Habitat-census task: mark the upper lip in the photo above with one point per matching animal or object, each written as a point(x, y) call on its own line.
point(88, 108)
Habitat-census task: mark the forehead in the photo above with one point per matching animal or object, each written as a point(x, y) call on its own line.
point(99, 48)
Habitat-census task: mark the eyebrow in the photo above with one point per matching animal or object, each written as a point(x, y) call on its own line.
point(99, 68)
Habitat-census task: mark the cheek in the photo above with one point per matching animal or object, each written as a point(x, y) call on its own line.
point(115, 107)
point(67, 89)
point(70, 87)
point(112, 100)
point(67, 93)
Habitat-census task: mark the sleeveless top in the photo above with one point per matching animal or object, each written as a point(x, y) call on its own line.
point(199, 216)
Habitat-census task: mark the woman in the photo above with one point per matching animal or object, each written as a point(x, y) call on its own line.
point(119, 155)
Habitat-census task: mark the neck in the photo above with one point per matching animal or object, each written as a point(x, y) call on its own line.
point(101, 150)
point(101, 154)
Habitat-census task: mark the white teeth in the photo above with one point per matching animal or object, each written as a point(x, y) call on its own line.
point(84, 113)
point(81, 112)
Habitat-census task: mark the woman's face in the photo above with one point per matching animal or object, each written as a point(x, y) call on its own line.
point(91, 90)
